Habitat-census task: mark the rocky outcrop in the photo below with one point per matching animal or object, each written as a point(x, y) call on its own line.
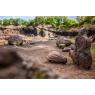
point(56, 57)
point(81, 54)
point(46, 31)
point(15, 40)
point(16, 65)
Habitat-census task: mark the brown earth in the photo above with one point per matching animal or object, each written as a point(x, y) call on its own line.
point(41, 49)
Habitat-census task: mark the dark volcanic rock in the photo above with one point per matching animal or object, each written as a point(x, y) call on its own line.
point(81, 54)
point(15, 40)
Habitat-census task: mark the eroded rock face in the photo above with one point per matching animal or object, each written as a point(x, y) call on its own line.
point(16, 65)
point(81, 54)
point(63, 40)
point(15, 40)
point(57, 57)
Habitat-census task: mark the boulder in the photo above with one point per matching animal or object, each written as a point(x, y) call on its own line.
point(62, 46)
point(66, 49)
point(15, 40)
point(81, 54)
point(56, 57)
point(63, 40)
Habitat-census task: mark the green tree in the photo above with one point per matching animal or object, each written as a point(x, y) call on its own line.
point(0, 22)
point(6, 22)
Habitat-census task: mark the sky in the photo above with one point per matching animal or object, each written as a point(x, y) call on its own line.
point(29, 17)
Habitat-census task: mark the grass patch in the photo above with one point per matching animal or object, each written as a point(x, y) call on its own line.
point(93, 51)
point(80, 27)
point(50, 39)
point(73, 40)
point(91, 68)
point(93, 59)
point(6, 42)
point(71, 59)
point(1, 26)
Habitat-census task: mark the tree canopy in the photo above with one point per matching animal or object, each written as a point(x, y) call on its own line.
point(56, 21)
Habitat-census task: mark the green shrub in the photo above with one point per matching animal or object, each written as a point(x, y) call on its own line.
point(50, 40)
point(93, 59)
point(54, 25)
point(93, 20)
point(93, 51)
point(91, 68)
point(6, 42)
point(71, 59)
point(80, 27)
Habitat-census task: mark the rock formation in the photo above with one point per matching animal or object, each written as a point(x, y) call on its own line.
point(81, 54)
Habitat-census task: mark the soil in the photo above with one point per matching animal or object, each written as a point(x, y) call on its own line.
point(41, 49)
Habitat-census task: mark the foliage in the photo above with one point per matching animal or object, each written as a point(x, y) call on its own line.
point(93, 59)
point(71, 59)
point(80, 27)
point(55, 21)
point(93, 51)
point(88, 19)
point(93, 20)
point(0, 22)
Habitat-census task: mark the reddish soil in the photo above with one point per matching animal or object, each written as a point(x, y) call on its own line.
point(41, 49)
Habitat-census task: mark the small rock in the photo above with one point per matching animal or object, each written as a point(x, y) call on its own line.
point(66, 49)
point(62, 46)
point(57, 57)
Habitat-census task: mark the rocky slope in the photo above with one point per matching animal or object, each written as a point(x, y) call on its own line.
point(46, 31)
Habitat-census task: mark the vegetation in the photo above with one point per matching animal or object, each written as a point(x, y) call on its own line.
point(93, 59)
point(93, 51)
point(88, 19)
point(55, 21)
point(71, 59)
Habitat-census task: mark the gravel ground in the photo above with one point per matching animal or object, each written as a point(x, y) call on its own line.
point(41, 49)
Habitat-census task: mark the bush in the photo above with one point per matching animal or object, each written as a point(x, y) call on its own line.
point(80, 27)
point(93, 51)
point(54, 25)
point(71, 59)
point(93, 20)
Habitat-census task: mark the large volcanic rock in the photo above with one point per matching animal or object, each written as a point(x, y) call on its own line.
point(81, 54)
point(16, 65)
point(57, 57)
point(15, 40)
point(63, 40)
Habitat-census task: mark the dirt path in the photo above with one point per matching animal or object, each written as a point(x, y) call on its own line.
point(41, 49)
